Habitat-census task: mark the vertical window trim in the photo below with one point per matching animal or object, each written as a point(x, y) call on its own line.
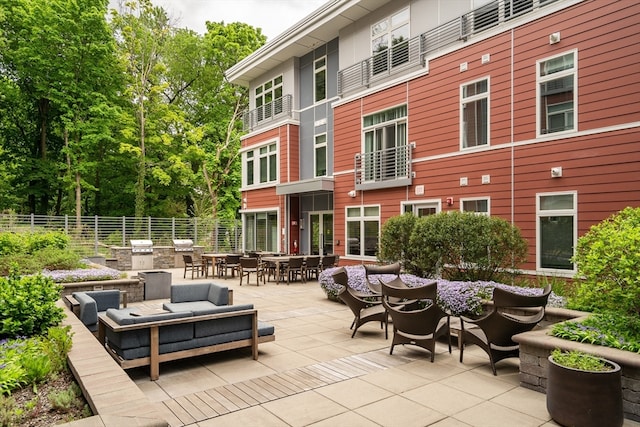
point(561, 212)
point(554, 76)
point(464, 101)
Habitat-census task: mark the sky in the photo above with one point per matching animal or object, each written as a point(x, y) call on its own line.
point(273, 16)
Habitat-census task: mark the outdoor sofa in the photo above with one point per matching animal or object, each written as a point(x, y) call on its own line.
point(197, 321)
point(89, 304)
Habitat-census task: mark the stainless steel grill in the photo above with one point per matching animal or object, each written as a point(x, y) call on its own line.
point(183, 245)
point(141, 246)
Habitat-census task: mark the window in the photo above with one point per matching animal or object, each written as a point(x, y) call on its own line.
point(557, 79)
point(321, 155)
point(479, 206)
point(261, 165)
point(269, 98)
point(320, 79)
point(386, 152)
point(363, 226)
point(390, 41)
point(557, 236)
point(261, 231)
point(474, 114)
point(420, 209)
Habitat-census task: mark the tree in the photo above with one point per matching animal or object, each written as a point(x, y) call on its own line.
point(141, 31)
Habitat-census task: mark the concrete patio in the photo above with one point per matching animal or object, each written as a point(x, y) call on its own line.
point(315, 374)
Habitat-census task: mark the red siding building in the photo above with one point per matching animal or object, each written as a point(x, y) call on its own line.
point(524, 109)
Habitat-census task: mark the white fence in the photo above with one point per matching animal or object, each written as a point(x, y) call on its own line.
point(93, 235)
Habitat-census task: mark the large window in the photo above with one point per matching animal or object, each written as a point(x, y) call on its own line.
point(385, 145)
point(261, 165)
point(320, 79)
point(421, 208)
point(557, 102)
point(261, 231)
point(269, 98)
point(557, 236)
point(320, 155)
point(474, 114)
point(390, 41)
point(363, 230)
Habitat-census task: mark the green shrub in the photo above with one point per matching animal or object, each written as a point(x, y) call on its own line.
point(65, 400)
point(579, 360)
point(465, 246)
point(57, 346)
point(607, 259)
point(33, 252)
point(395, 237)
point(28, 305)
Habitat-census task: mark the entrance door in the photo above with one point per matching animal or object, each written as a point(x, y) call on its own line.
point(321, 233)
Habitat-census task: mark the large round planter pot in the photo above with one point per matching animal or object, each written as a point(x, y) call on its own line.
point(585, 398)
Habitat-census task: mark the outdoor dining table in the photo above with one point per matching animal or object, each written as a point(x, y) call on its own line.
point(278, 261)
point(211, 259)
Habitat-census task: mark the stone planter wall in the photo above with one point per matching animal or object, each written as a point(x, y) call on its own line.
point(133, 287)
point(536, 346)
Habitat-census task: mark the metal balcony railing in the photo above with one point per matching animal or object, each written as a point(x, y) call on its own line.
point(407, 54)
point(275, 110)
point(386, 168)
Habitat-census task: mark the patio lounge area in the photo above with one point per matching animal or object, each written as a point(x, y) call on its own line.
point(314, 373)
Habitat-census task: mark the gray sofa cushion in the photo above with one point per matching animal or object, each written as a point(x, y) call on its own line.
point(190, 292)
point(199, 308)
point(216, 294)
point(140, 338)
point(93, 302)
point(225, 325)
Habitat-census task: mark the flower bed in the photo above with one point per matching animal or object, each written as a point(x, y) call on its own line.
point(454, 296)
point(83, 274)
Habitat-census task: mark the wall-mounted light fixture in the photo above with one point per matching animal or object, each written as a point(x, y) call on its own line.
point(449, 201)
point(352, 193)
point(554, 38)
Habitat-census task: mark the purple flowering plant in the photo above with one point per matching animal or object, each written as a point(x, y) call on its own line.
point(456, 297)
point(82, 274)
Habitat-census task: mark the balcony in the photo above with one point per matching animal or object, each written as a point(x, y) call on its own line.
point(411, 53)
point(386, 168)
point(278, 109)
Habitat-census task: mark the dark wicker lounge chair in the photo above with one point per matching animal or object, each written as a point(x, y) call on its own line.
point(364, 310)
point(374, 285)
point(494, 331)
point(411, 323)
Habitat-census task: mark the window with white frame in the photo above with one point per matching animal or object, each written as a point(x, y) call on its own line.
point(556, 230)
point(320, 152)
point(320, 79)
point(557, 95)
point(422, 208)
point(269, 98)
point(474, 114)
point(363, 230)
point(260, 165)
point(390, 41)
point(386, 152)
point(479, 206)
point(261, 231)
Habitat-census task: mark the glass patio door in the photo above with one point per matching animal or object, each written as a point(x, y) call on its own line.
point(321, 233)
